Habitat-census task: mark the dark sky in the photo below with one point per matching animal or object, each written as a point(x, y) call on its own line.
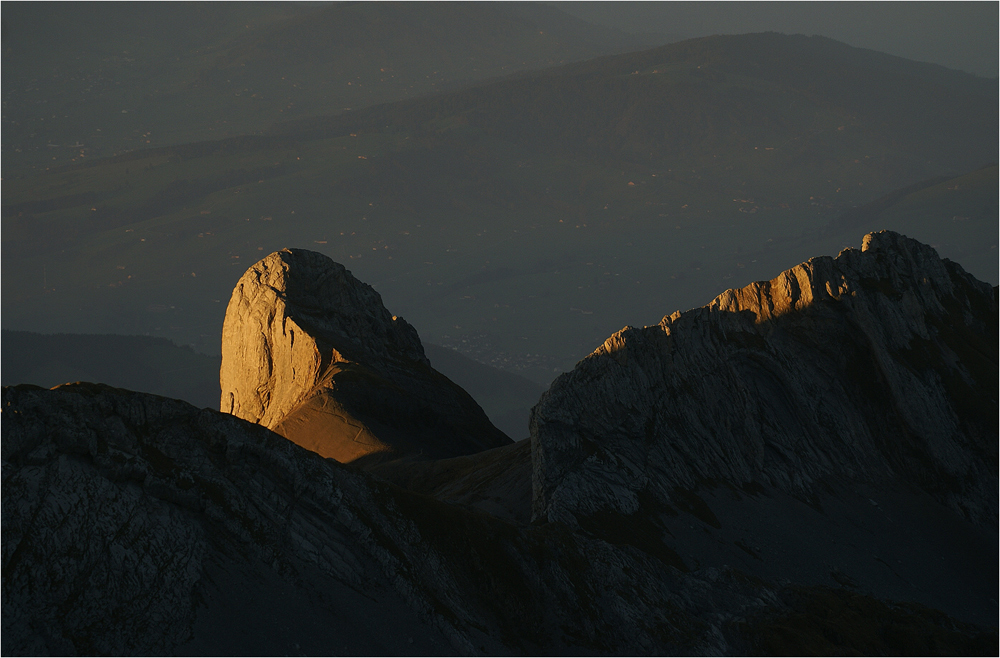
point(960, 35)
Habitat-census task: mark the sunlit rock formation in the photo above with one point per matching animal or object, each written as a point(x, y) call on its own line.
point(877, 366)
point(310, 352)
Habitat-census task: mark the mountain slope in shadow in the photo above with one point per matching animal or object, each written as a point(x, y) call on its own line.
point(858, 392)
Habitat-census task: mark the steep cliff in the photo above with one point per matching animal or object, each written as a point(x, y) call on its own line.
point(310, 352)
point(834, 426)
point(879, 365)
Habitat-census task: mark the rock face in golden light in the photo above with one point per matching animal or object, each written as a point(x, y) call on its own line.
point(878, 366)
point(310, 352)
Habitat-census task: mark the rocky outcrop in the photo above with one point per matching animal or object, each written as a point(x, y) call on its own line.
point(742, 478)
point(879, 365)
point(135, 524)
point(310, 352)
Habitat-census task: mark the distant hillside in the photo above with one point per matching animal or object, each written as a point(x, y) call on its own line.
point(138, 363)
point(957, 216)
point(88, 80)
point(813, 101)
point(505, 397)
point(520, 221)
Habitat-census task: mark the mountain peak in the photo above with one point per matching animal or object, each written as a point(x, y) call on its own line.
point(886, 257)
point(879, 364)
point(311, 352)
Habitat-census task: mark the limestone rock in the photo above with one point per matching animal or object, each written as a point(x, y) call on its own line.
point(311, 352)
point(877, 365)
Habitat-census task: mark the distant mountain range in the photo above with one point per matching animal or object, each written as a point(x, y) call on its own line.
point(138, 363)
point(521, 220)
point(97, 79)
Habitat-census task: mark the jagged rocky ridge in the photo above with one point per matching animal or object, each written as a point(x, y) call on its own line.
point(310, 352)
point(137, 524)
point(878, 365)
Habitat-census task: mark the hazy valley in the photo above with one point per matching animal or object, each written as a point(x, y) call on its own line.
point(504, 221)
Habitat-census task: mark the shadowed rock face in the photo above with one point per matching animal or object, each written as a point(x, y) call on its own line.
point(311, 352)
point(878, 365)
point(134, 524)
point(139, 525)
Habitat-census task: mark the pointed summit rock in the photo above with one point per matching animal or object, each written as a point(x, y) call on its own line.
point(878, 366)
point(310, 352)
